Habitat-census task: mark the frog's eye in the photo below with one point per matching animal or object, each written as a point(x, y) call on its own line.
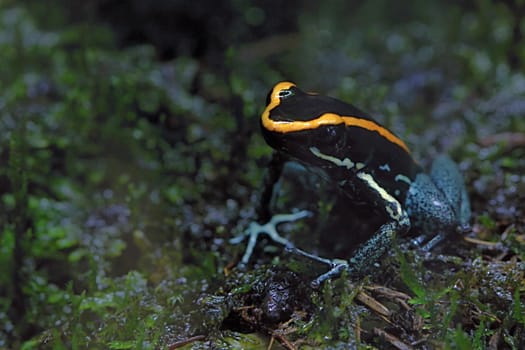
point(285, 93)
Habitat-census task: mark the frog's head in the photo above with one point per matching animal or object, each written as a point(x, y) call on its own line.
point(313, 128)
point(295, 121)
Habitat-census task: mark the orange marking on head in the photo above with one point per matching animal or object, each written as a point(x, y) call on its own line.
point(283, 126)
point(274, 102)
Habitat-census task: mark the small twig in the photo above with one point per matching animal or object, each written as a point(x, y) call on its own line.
point(392, 339)
point(481, 242)
point(186, 341)
point(272, 339)
point(284, 342)
point(373, 304)
point(388, 292)
point(511, 139)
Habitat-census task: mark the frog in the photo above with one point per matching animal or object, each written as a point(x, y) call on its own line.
point(370, 165)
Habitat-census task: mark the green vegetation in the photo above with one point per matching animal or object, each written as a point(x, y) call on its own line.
point(126, 169)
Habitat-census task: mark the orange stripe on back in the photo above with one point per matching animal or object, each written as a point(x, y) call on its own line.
point(328, 119)
point(372, 126)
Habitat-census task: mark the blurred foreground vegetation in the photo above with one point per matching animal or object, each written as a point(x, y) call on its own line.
point(130, 154)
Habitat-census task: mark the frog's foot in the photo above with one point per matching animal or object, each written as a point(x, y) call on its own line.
point(337, 266)
point(270, 228)
point(422, 242)
point(427, 245)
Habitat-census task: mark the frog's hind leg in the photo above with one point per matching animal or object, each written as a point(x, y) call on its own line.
point(438, 203)
point(270, 229)
point(446, 176)
point(430, 212)
point(363, 257)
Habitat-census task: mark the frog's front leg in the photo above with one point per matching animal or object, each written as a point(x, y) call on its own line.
point(270, 229)
point(371, 250)
point(271, 177)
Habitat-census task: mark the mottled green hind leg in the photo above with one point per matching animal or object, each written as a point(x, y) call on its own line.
point(448, 179)
point(430, 211)
point(365, 255)
point(438, 203)
point(465, 212)
point(270, 229)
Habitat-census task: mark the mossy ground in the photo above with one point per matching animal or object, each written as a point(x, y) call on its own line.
point(129, 161)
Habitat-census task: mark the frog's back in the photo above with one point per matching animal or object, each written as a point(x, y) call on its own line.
point(337, 136)
point(369, 144)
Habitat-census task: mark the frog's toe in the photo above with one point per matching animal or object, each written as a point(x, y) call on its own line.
point(433, 242)
point(463, 228)
point(426, 243)
point(338, 267)
point(418, 241)
point(269, 229)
